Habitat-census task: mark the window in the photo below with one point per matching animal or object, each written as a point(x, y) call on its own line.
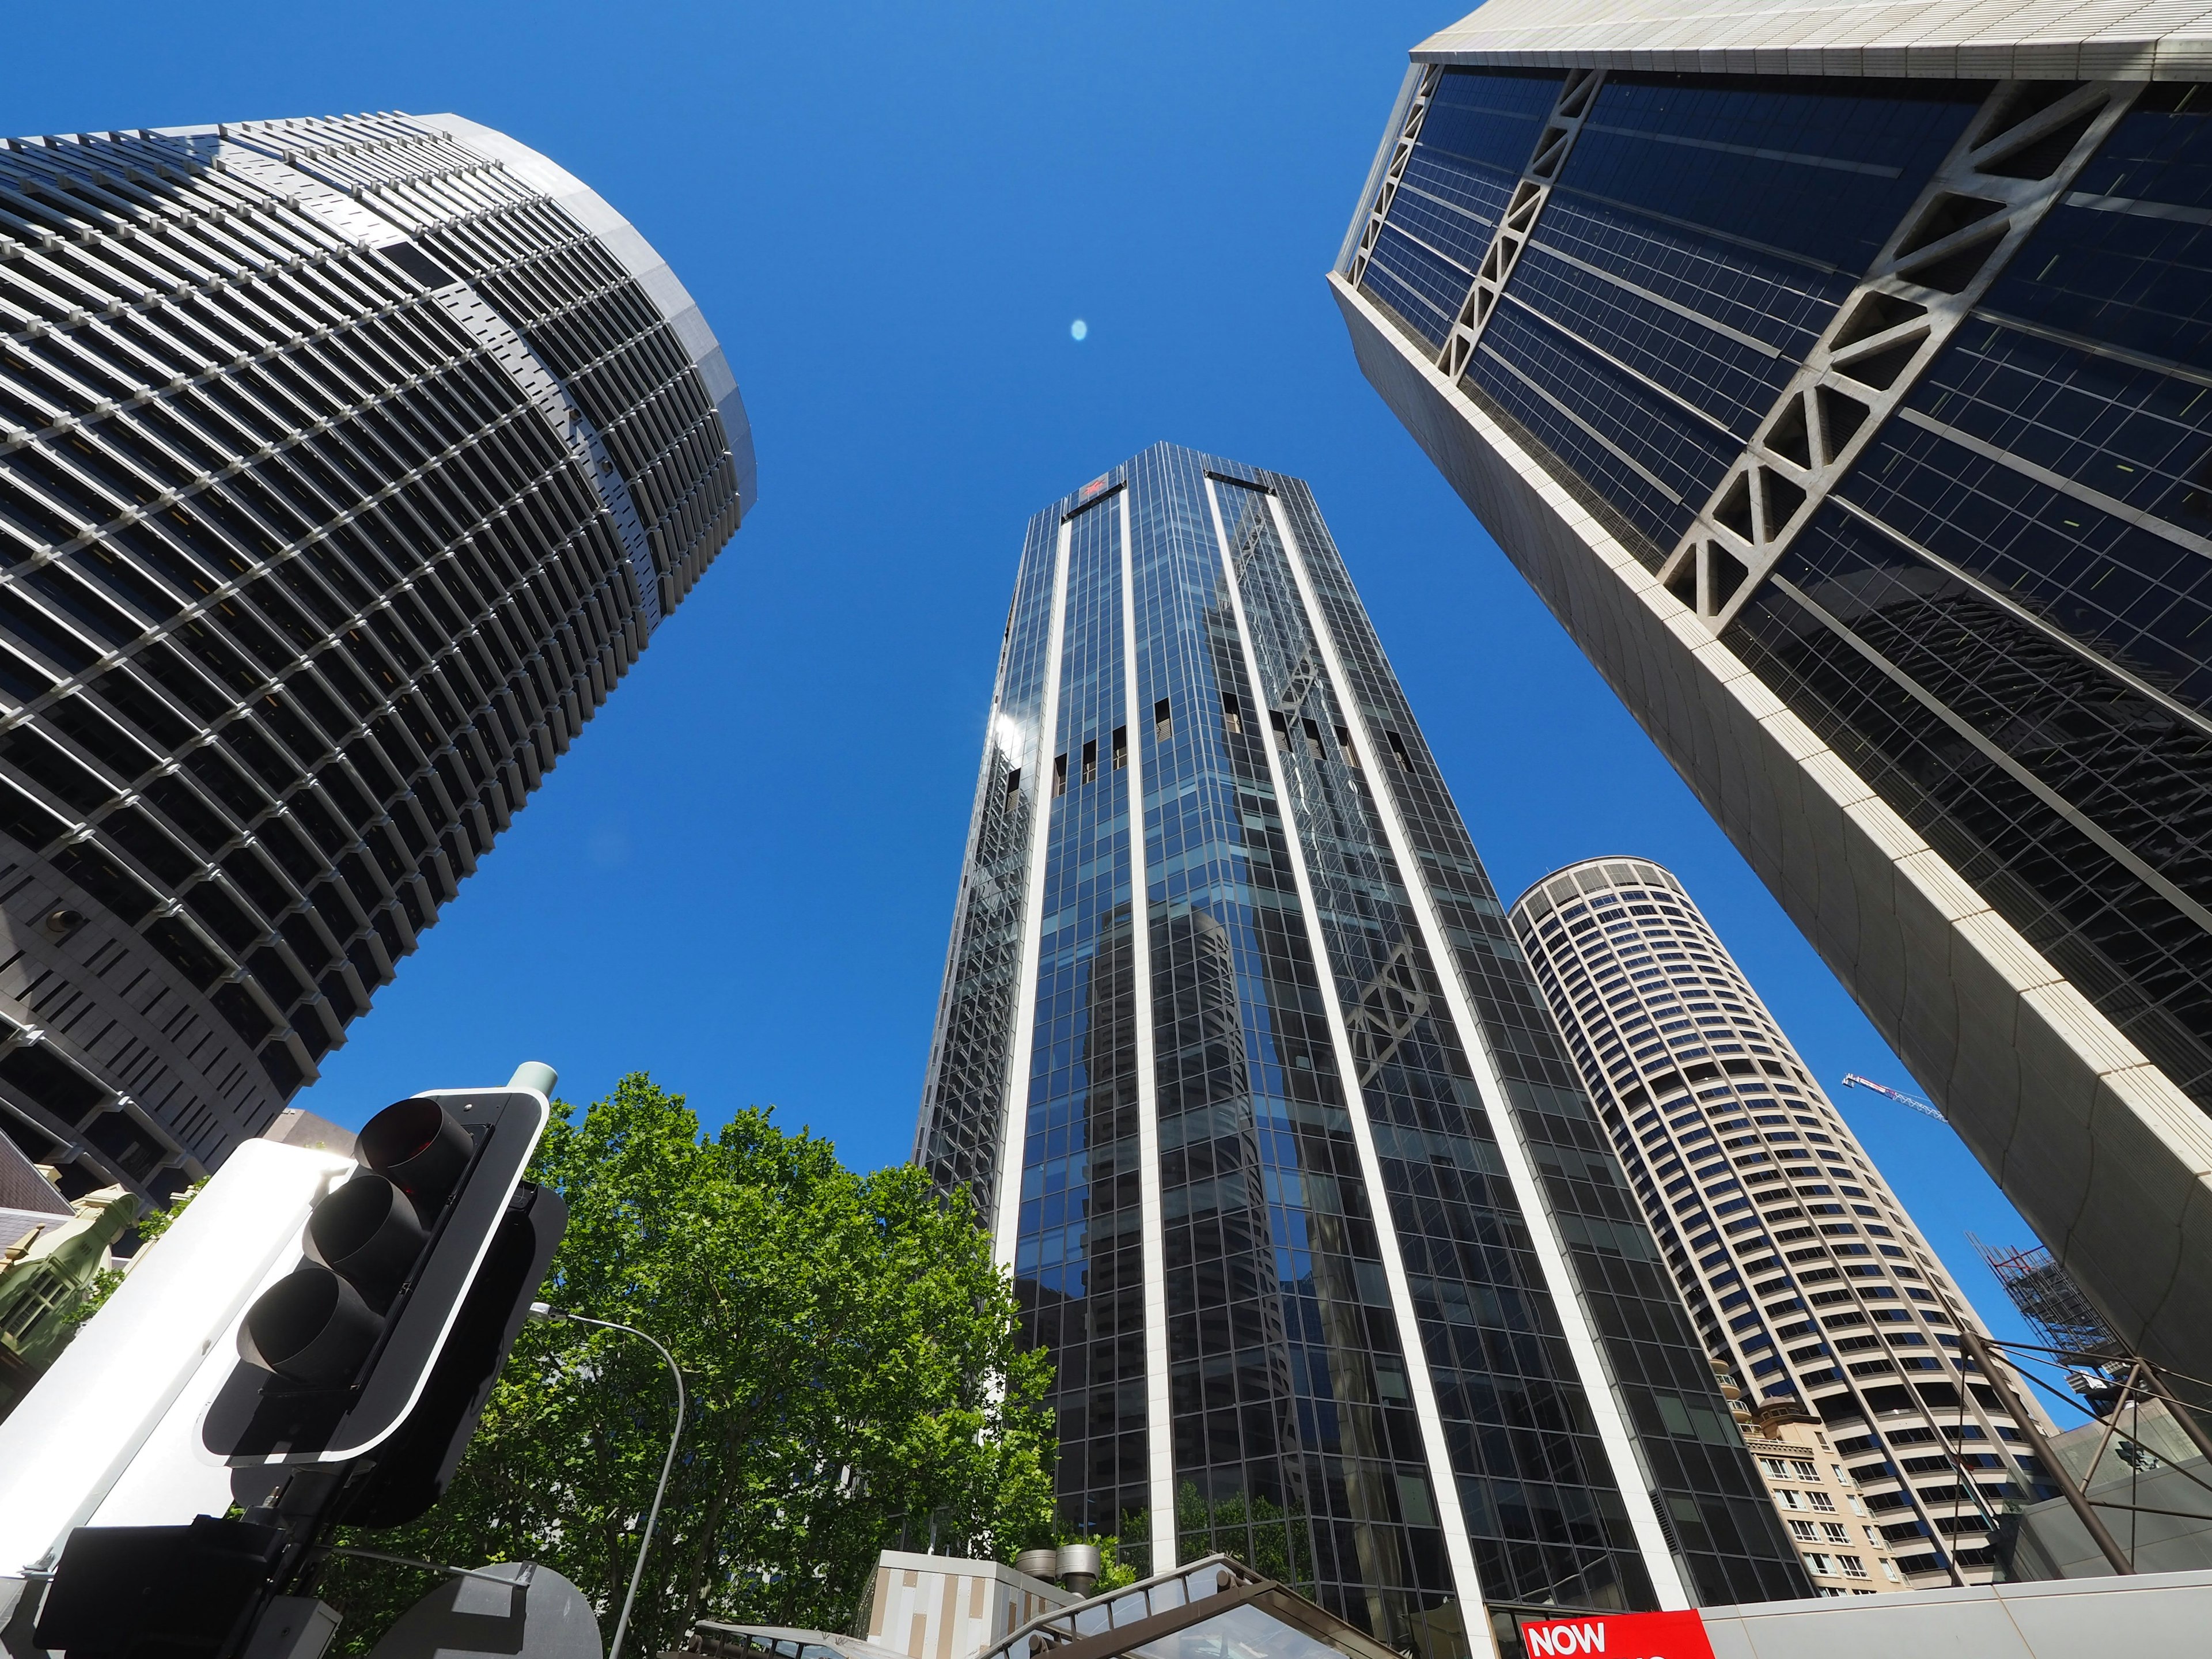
point(1820, 1500)
point(1013, 786)
point(1060, 775)
point(1091, 760)
point(1313, 740)
point(1121, 747)
point(1836, 1532)
point(1852, 1565)
point(1344, 743)
point(1398, 752)
point(1806, 1530)
point(34, 1306)
point(1889, 1571)
point(1788, 1500)
point(1163, 720)
point(1820, 1564)
point(1232, 717)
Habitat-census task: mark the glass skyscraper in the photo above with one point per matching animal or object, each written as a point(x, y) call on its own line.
point(1843, 381)
point(345, 466)
point(1237, 1058)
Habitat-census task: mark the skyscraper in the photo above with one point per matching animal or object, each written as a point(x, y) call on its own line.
point(1800, 1266)
point(1239, 1063)
point(345, 465)
point(1838, 379)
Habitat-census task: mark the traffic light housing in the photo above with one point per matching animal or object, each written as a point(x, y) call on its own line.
point(379, 1349)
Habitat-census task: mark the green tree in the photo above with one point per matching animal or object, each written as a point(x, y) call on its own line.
point(853, 1363)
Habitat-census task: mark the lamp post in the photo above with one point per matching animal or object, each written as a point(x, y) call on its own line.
point(544, 1310)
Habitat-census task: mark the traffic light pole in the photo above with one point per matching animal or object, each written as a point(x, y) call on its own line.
point(542, 1310)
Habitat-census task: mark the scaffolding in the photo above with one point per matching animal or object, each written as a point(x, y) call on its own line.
point(2051, 1302)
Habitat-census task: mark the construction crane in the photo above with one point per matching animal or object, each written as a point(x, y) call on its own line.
point(1853, 1080)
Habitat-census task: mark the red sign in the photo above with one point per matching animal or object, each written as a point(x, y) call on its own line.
point(1091, 489)
point(1618, 1636)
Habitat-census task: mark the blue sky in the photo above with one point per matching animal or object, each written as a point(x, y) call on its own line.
point(741, 877)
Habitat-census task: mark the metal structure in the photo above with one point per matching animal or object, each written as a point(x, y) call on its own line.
point(1853, 1080)
point(346, 465)
point(1845, 403)
point(2052, 1304)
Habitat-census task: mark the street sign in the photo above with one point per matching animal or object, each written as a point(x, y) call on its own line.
point(1679, 1635)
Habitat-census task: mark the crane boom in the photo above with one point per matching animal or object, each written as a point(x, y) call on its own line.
point(1853, 1080)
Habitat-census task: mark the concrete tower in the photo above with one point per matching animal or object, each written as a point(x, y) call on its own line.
point(1801, 1268)
point(345, 465)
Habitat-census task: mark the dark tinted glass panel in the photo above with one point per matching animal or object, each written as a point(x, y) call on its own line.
point(1422, 286)
point(2033, 723)
point(1490, 117)
point(1823, 169)
point(2140, 596)
point(1733, 380)
point(1785, 302)
point(2125, 259)
point(1655, 460)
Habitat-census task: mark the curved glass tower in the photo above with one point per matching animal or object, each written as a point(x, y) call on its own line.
point(1801, 1268)
point(345, 465)
point(1238, 1060)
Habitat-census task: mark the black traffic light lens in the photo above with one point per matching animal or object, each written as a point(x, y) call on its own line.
point(421, 1147)
point(367, 1233)
point(309, 1328)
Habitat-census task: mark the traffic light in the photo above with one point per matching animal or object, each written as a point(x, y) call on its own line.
point(349, 1385)
point(377, 1352)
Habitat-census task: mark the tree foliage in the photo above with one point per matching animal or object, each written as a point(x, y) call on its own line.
point(854, 1364)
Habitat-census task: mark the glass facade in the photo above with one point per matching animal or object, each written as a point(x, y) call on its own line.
point(1803, 1272)
point(1977, 562)
point(345, 465)
point(1296, 1184)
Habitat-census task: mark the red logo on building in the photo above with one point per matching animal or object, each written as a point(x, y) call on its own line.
point(1091, 489)
point(1618, 1636)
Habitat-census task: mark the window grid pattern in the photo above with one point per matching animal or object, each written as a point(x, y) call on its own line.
point(568, 295)
point(2131, 594)
point(2128, 765)
point(1655, 460)
point(1701, 1480)
point(2121, 258)
point(1732, 383)
point(1349, 1358)
point(2098, 526)
point(2060, 459)
point(1821, 170)
point(301, 597)
point(1477, 133)
point(1804, 1274)
point(1078, 1258)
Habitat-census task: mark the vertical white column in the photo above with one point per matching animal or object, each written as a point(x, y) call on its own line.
point(1013, 1131)
point(1450, 1515)
point(1159, 1427)
point(1543, 1226)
